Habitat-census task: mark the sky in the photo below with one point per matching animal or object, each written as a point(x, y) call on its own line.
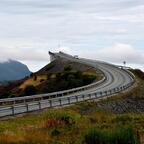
point(107, 30)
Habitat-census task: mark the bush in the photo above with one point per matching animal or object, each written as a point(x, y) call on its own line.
point(75, 83)
point(53, 122)
point(49, 76)
point(5, 95)
point(42, 80)
point(87, 79)
point(67, 68)
point(66, 79)
point(119, 136)
point(29, 90)
point(55, 132)
point(78, 74)
point(58, 77)
point(123, 118)
point(138, 73)
point(67, 119)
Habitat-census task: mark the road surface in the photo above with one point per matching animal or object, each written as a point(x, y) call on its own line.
point(115, 80)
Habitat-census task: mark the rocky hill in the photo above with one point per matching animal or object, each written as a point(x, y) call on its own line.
point(59, 64)
point(58, 75)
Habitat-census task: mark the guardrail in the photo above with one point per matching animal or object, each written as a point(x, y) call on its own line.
point(49, 95)
point(60, 101)
point(9, 101)
point(50, 100)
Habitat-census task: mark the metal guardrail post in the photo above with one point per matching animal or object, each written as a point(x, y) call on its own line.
point(101, 93)
point(13, 110)
point(83, 97)
point(50, 101)
point(68, 100)
point(110, 92)
point(114, 90)
point(60, 101)
point(95, 95)
point(39, 103)
point(27, 107)
point(76, 98)
point(106, 93)
point(89, 96)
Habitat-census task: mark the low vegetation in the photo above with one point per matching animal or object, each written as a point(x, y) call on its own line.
point(33, 80)
point(122, 135)
point(49, 82)
point(66, 79)
point(29, 90)
point(73, 125)
point(82, 123)
point(138, 73)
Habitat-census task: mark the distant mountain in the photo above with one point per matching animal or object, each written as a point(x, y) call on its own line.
point(13, 70)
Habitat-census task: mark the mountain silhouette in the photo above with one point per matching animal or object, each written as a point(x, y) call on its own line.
point(13, 70)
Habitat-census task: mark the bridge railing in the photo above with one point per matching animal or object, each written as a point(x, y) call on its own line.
point(9, 101)
point(50, 100)
point(59, 101)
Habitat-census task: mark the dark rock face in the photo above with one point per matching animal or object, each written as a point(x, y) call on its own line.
point(127, 105)
point(13, 70)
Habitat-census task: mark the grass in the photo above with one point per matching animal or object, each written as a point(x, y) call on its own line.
point(122, 135)
point(82, 123)
point(67, 125)
point(36, 82)
point(33, 82)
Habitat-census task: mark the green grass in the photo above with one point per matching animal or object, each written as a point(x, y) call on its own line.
point(122, 135)
point(67, 125)
point(82, 123)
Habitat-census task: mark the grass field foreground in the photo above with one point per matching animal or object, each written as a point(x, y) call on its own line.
point(70, 125)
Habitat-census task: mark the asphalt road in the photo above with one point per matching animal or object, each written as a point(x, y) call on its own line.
point(114, 78)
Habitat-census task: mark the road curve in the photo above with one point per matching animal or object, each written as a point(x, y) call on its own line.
point(115, 77)
point(116, 80)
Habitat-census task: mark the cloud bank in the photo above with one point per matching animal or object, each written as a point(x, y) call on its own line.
point(105, 29)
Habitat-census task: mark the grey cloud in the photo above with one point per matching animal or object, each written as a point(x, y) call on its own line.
point(27, 6)
point(79, 24)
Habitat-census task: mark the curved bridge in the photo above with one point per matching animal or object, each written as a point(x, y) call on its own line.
point(115, 80)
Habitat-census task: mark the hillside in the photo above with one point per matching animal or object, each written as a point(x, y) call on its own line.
point(102, 122)
point(58, 75)
point(61, 74)
point(13, 70)
point(59, 64)
point(115, 120)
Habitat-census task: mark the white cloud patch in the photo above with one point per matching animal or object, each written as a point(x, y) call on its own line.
point(118, 53)
point(37, 58)
point(24, 54)
point(30, 28)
